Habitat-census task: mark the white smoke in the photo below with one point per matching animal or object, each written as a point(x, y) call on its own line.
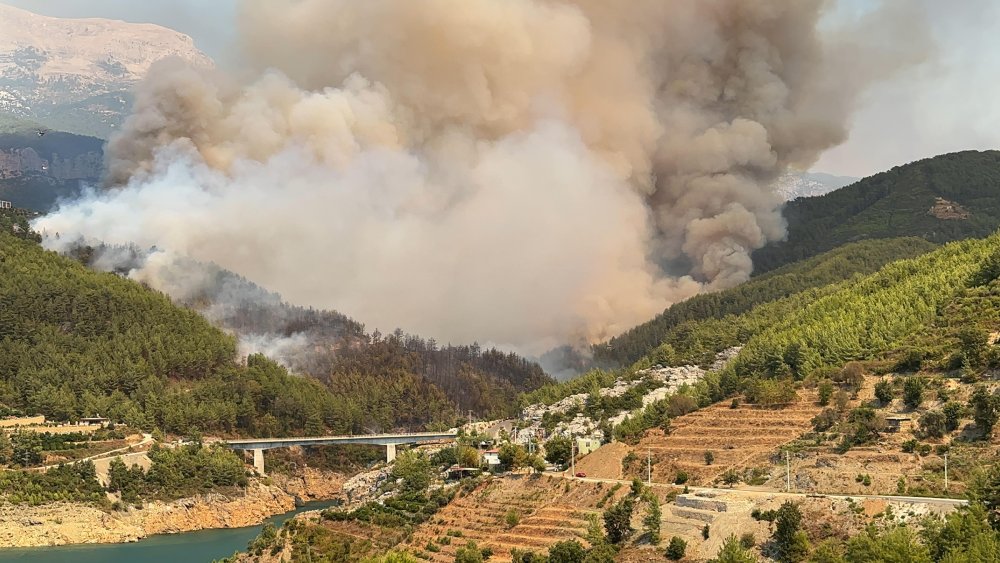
point(524, 172)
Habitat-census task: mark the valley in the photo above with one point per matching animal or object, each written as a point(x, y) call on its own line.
point(487, 282)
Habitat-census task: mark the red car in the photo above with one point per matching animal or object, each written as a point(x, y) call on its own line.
point(581, 474)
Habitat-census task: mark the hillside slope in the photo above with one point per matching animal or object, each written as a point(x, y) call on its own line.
point(833, 266)
point(38, 169)
point(76, 343)
point(944, 198)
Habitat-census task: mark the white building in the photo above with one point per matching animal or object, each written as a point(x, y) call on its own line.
point(491, 457)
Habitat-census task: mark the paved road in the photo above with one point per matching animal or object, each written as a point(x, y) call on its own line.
point(752, 492)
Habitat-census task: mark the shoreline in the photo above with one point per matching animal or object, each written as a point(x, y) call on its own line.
point(63, 523)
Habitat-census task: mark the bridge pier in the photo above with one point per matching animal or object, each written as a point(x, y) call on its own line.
point(258, 460)
point(390, 453)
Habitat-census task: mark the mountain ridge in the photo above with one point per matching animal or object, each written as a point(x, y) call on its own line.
point(76, 75)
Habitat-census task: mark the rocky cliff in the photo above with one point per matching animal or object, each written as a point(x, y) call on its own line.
point(69, 523)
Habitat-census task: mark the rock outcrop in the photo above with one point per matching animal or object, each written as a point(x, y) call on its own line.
point(71, 523)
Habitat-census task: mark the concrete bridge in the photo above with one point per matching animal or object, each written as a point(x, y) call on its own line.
point(390, 441)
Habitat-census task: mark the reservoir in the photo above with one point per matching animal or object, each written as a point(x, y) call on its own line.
point(190, 547)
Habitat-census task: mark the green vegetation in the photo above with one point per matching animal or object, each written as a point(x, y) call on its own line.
point(177, 473)
point(618, 520)
point(69, 483)
point(790, 541)
point(676, 549)
point(77, 343)
point(832, 267)
point(893, 204)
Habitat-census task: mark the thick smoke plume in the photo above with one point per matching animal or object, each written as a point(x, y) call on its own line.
point(524, 172)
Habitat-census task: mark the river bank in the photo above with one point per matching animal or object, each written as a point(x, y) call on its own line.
point(72, 523)
point(191, 547)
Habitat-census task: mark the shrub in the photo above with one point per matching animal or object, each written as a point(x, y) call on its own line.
point(512, 518)
point(735, 403)
point(913, 392)
point(470, 553)
point(825, 392)
point(825, 420)
point(706, 532)
point(676, 549)
point(985, 410)
point(733, 552)
point(953, 415)
point(910, 446)
point(709, 458)
point(748, 540)
point(569, 551)
point(841, 399)
point(884, 391)
point(681, 478)
point(628, 460)
point(853, 375)
point(901, 485)
point(932, 424)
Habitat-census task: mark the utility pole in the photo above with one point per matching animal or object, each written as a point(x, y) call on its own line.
point(649, 467)
point(572, 455)
point(788, 473)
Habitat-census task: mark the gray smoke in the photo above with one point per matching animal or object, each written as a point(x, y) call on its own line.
point(526, 172)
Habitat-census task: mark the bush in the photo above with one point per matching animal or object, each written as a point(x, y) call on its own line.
point(853, 375)
point(681, 478)
point(709, 458)
point(676, 549)
point(985, 410)
point(735, 403)
point(470, 553)
point(825, 392)
point(706, 531)
point(932, 424)
point(911, 361)
point(825, 420)
point(569, 551)
point(748, 540)
point(512, 518)
point(733, 552)
point(884, 391)
point(953, 415)
point(913, 392)
point(731, 477)
point(910, 446)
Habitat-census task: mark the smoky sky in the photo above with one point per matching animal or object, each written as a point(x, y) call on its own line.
point(514, 171)
point(946, 105)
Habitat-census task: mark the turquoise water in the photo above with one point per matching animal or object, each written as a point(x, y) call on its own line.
point(190, 547)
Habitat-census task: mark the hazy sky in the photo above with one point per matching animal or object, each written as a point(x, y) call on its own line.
point(948, 104)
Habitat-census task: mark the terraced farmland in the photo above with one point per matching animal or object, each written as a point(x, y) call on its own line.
point(547, 513)
point(738, 438)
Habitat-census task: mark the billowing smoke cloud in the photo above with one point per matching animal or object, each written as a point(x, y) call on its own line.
point(523, 172)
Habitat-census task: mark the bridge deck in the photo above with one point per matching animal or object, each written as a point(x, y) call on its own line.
point(370, 439)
